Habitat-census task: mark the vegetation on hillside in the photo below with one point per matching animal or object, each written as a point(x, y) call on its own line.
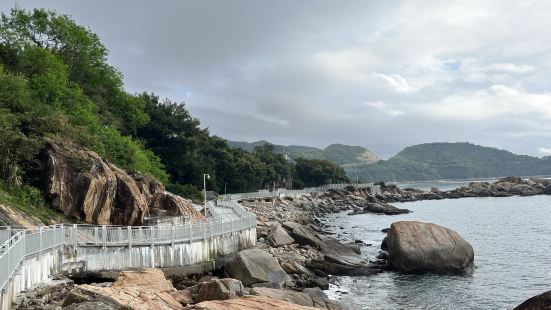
point(338, 154)
point(437, 161)
point(56, 85)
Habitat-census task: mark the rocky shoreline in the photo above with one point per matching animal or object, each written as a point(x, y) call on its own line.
point(288, 268)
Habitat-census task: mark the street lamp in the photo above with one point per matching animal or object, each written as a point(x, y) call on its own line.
point(205, 177)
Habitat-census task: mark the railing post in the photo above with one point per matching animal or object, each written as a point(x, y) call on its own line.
point(129, 230)
point(172, 234)
point(74, 233)
point(152, 239)
point(104, 236)
point(151, 250)
point(190, 232)
point(40, 229)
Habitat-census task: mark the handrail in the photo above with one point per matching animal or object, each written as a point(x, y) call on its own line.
point(22, 243)
point(293, 192)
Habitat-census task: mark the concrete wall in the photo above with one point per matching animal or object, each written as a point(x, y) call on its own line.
point(39, 268)
point(34, 269)
point(165, 255)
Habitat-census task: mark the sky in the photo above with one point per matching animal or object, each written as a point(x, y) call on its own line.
point(379, 74)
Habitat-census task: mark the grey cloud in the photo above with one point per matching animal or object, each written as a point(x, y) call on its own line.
point(305, 72)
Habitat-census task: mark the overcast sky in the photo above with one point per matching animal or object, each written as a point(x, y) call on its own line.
point(380, 74)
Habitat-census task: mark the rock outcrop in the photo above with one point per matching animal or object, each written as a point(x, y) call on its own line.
point(17, 219)
point(309, 297)
point(135, 290)
point(255, 267)
point(248, 303)
point(539, 302)
point(416, 247)
point(79, 183)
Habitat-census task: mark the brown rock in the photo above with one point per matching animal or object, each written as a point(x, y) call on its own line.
point(152, 279)
point(136, 290)
point(79, 183)
point(294, 297)
point(248, 303)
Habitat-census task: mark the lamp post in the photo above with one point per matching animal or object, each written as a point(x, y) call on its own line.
point(205, 177)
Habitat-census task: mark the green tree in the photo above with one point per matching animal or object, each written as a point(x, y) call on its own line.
point(316, 172)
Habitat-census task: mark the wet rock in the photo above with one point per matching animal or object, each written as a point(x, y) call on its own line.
point(416, 247)
point(256, 267)
point(539, 302)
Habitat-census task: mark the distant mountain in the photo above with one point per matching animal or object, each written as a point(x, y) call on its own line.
point(339, 154)
point(437, 161)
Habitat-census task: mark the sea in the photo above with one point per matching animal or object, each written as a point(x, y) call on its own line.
point(511, 238)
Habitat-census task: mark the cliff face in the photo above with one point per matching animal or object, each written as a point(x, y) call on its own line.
point(80, 183)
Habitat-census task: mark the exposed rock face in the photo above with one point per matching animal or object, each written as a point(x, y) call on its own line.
point(80, 183)
point(136, 290)
point(248, 303)
point(424, 247)
point(255, 267)
point(16, 219)
point(539, 302)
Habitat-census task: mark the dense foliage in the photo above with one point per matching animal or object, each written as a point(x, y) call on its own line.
point(56, 85)
point(437, 161)
point(315, 172)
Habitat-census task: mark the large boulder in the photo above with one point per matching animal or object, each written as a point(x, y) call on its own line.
point(277, 236)
point(416, 247)
point(79, 183)
point(222, 289)
point(342, 259)
point(302, 234)
point(255, 267)
point(539, 302)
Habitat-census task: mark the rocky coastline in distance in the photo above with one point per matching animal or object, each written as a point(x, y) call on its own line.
point(294, 258)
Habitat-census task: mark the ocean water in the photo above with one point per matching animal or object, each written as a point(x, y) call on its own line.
point(511, 238)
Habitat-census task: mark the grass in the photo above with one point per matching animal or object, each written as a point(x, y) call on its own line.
point(28, 200)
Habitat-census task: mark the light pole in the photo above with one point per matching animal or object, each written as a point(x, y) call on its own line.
point(205, 177)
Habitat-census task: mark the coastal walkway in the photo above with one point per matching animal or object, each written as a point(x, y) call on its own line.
point(32, 256)
point(282, 192)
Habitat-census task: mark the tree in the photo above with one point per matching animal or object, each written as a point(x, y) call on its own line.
point(316, 172)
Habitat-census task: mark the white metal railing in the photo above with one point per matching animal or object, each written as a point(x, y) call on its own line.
point(293, 192)
point(21, 243)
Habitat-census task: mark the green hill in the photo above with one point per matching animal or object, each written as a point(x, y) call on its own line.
point(437, 161)
point(339, 154)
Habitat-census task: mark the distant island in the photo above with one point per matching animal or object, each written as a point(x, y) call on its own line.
point(422, 162)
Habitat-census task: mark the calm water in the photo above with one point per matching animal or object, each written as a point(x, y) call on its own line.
point(511, 238)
